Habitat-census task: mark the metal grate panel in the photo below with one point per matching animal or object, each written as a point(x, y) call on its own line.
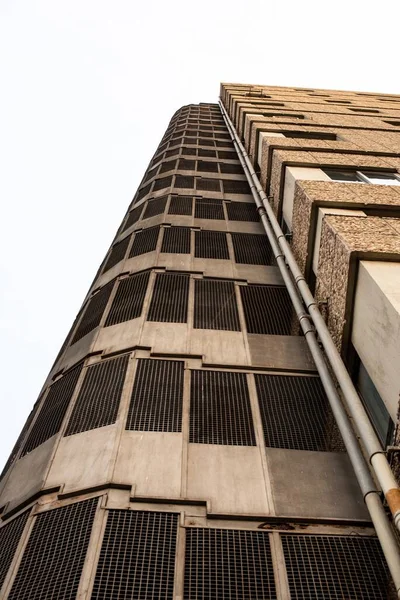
point(144, 241)
point(157, 396)
point(252, 249)
point(209, 208)
point(169, 303)
point(181, 205)
point(215, 305)
point(242, 211)
point(93, 312)
point(295, 412)
point(10, 535)
point(209, 185)
point(235, 186)
point(335, 567)
point(128, 301)
point(231, 168)
point(220, 410)
point(187, 165)
point(155, 207)
point(169, 165)
point(143, 192)
point(226, 564)
point(162, 183)
point(211, 244)
point(176, 240)
point(207, 165)
point(53, 559)
point(133, 217)
point(227, 155)
point(137, 557)
point(267, 309)
point(181, 181)
point(207, 153)
point(54, 407)
point(99, 397)
point(117, 254)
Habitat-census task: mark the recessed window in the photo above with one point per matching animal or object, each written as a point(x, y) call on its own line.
point(374, 177)
point(367, 110)
point(394, 123)
point(310, 135)
point(374, 405)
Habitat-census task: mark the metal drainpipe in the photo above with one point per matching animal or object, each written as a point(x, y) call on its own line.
point(371, 495)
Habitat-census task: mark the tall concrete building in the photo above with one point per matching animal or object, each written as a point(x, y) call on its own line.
point(188, 443)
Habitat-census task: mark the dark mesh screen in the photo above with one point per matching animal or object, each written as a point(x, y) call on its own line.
point(209, 208)
point(211, 244)
point(215, 305)
point(157, 396)
point(133, 217)
point(93, 312)
point(242, 211)
point(207, 165)
point(181, 205)
point(226, 564)
point(51, 415)
point(137, 557)
point(117, 254)
point(267, 309)
point(128, 301)
point(162, 183)
point(233, 186)
point(252, 249)
point(220, 410)
point(231, 168)
point(155, 207)
point(176, 240)
point(10, 535)
point(335, 567)
point(181, 181)
point(53, 559)
point(99, 397)
point(169, 302)
point(144, 241)
point(168, 166)
point(210, 185)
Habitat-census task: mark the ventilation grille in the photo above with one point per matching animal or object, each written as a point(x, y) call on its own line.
point(128, 301)
point(209, 153)
point(209, 208)
point(211, 244)
point(231, 168)
point(10, 535)
point(137, 557)
point(215, 305)
point(157, 396)
point(145, 241)
point(155, 207)
point(187, 165)
point(94, 311)
point(227, 155)
point(160, 184)
point(168, 166)
point(225, 564)
point(335, 567)
point(133, 217)
point(143, 192)
point(208, 166)
point(233, 186)
point(52, 563)
point(52, 413)
point(181, 205)
point(220, 410)
point(169, 303)
point(295, 413)
point(181, 181)
point(267, 309)
point(99, 397)
point(209, 185)
point(251, 249)
point(117, 254)
point(242, 211)
point(176, 240)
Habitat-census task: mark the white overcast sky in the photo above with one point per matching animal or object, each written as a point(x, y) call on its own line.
point(87, 90)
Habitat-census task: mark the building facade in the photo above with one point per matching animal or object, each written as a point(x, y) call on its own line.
point(183, 447)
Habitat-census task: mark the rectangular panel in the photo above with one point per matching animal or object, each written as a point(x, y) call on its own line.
point(209, 208)
point(181, 181)
point(137, 557)
point(267, 309)
point(211, 244)
point(157, 396)
point(227, 564)
point(207, 166)
point(52, 413)
point(295, 413)
point(128, 301)
point(220, 410)
point(215, 305)
point(155, 207)
point(169, 303)
point(176, 240)
point(208, 185)
point(10, 535)
point(144, 241)
point(335, 567)
point(169, 165)
point(186, 165)
point(181, 205)
point(233, 186)
point(242, 211)
point(93, 312)
point(133, 217)
point(53, 559)
point(231, 168)
point(162, 183)
point(117, 254)
point(252, 249)
point(143, 192)
point(99, 397)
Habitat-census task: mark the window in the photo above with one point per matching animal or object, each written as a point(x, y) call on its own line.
point(374, 405)
point(363, 176)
